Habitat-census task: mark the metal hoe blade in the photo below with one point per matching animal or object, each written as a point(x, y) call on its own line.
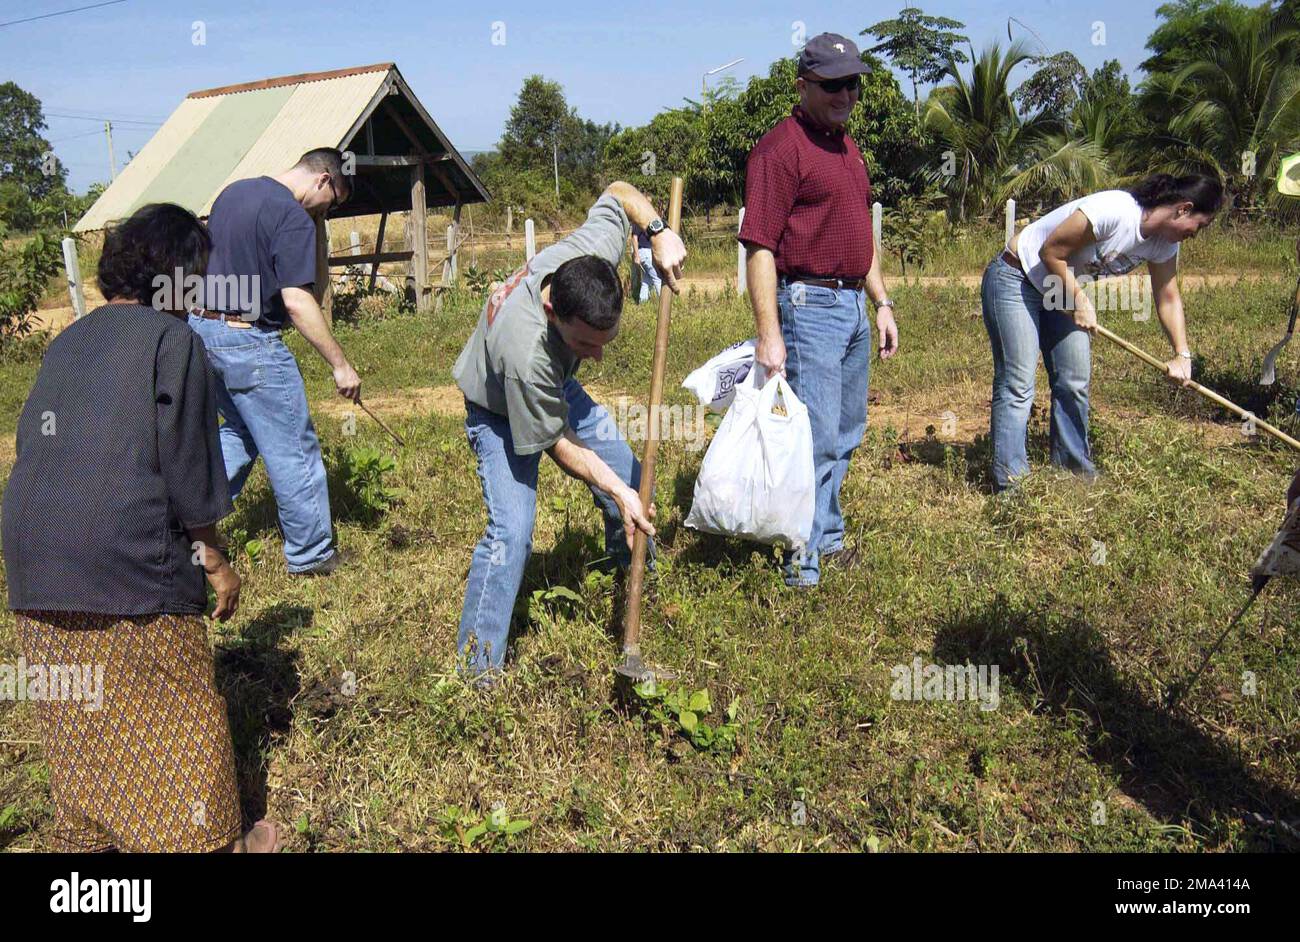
point(1269, 374)
point(637, 671)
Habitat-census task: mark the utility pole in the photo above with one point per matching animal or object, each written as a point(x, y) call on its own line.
point(555, 158)
point(112, 164)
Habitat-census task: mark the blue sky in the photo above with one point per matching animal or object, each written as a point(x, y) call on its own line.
point(618, 61)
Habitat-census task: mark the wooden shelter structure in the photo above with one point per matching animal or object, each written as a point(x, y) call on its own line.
point(401, 160)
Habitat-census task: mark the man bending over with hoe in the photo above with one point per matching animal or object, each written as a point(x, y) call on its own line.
point(517, 372)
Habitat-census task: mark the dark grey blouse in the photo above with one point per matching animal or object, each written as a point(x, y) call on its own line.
point(117, 453)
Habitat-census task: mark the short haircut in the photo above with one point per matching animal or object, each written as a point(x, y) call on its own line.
point(589, 289)
point(156, 240)
point(1162, 189)
point(328, 160)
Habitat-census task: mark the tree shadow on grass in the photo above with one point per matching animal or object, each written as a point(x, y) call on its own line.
point(258, 681)
point(1163, 759)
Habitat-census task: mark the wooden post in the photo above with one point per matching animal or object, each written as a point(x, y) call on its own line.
point(324, 296)
point(740, 257)
point(510, 218)
point(1011, 220)
point(449, 263)
point(73, 269)
point(419, 238)
point(379, 247)
point(530, 241)
point(453, 250)
point(354, 242)
point(877, 217)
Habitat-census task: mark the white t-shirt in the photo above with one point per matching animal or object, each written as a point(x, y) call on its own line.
point(1116, 220)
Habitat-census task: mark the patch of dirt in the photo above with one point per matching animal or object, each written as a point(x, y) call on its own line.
point(958, 413)
point(425, 400)
point(53, 314)
point(420, 400)
point(714, 283)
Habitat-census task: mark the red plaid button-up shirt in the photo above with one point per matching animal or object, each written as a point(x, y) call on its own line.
point(808, 200)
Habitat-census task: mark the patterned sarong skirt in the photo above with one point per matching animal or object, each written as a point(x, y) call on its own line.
point(135, 732)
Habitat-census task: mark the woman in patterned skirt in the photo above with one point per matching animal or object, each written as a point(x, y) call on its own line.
point(109, 533)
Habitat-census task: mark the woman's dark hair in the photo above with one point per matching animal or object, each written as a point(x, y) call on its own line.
point(588, 288)
point(156, 240)
point(1161, 189)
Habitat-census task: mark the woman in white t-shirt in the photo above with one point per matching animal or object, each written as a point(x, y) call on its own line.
point(1033, 302)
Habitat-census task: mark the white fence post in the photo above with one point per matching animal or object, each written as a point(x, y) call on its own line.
point(740, 256)
point(877, 214)
point(354, 241)
point(449, 266)
point(74, 277)
point(530, 241)
point(1011, 220)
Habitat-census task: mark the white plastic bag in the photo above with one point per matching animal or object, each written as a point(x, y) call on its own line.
point(756, 480)
point(714, 383)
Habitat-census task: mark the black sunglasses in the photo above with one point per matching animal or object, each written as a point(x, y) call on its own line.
point(336, 202)
point(830, 86)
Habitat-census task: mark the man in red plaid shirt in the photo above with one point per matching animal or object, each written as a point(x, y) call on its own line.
point(807, 234)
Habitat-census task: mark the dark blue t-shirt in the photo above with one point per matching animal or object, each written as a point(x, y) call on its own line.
point(262, 237)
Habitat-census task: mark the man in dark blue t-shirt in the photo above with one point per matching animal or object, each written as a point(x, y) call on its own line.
point(260, 277)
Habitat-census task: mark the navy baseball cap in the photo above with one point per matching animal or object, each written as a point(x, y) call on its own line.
point(831, 56)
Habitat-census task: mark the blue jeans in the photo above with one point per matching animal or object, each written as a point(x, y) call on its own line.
point(1019, 328)
point(509, 481)
point(828, 356)
point(650, 280)
point(263, 403)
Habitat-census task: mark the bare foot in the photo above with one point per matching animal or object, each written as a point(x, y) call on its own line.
point(262, 838)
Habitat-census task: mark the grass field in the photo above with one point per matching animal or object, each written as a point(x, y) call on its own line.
point(1089, 599)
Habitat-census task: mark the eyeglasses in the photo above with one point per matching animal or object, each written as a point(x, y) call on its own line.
point(336, 202)
point(830, 86)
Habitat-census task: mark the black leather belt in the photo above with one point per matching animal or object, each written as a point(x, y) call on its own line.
point(232, 320)
point(856, 284)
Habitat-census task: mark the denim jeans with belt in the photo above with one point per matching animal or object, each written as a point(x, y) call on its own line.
point(509, 482)
point(263, 403)
point(827, 359)
point(651, 282)
point(1019, 327)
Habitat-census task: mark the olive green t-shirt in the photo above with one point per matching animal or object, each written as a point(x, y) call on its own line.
point(515, 364)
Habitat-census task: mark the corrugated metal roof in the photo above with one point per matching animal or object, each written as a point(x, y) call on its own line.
point(117, 201)
point(316, 114)
point(234, 132)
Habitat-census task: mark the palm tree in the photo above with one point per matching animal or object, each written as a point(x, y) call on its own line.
point(995, 152)
point(1060, 168)
point(1235, 108)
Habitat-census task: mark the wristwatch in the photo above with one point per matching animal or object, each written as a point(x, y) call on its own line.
point(883, 302)
point(654, 227)
point(1185, 354)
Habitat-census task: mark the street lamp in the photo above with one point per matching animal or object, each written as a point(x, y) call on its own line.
point(704, 80)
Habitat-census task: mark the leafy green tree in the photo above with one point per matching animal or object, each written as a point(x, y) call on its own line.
point(26, 160)
point(882, 126)
point(920, 45)
point(535, 123)
point(1180, 37)
point(1054, 88)
point(649, 156)
point(1226, 99)
point(992, 151)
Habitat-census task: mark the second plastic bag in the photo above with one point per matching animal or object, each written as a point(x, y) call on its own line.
point(757, 480)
